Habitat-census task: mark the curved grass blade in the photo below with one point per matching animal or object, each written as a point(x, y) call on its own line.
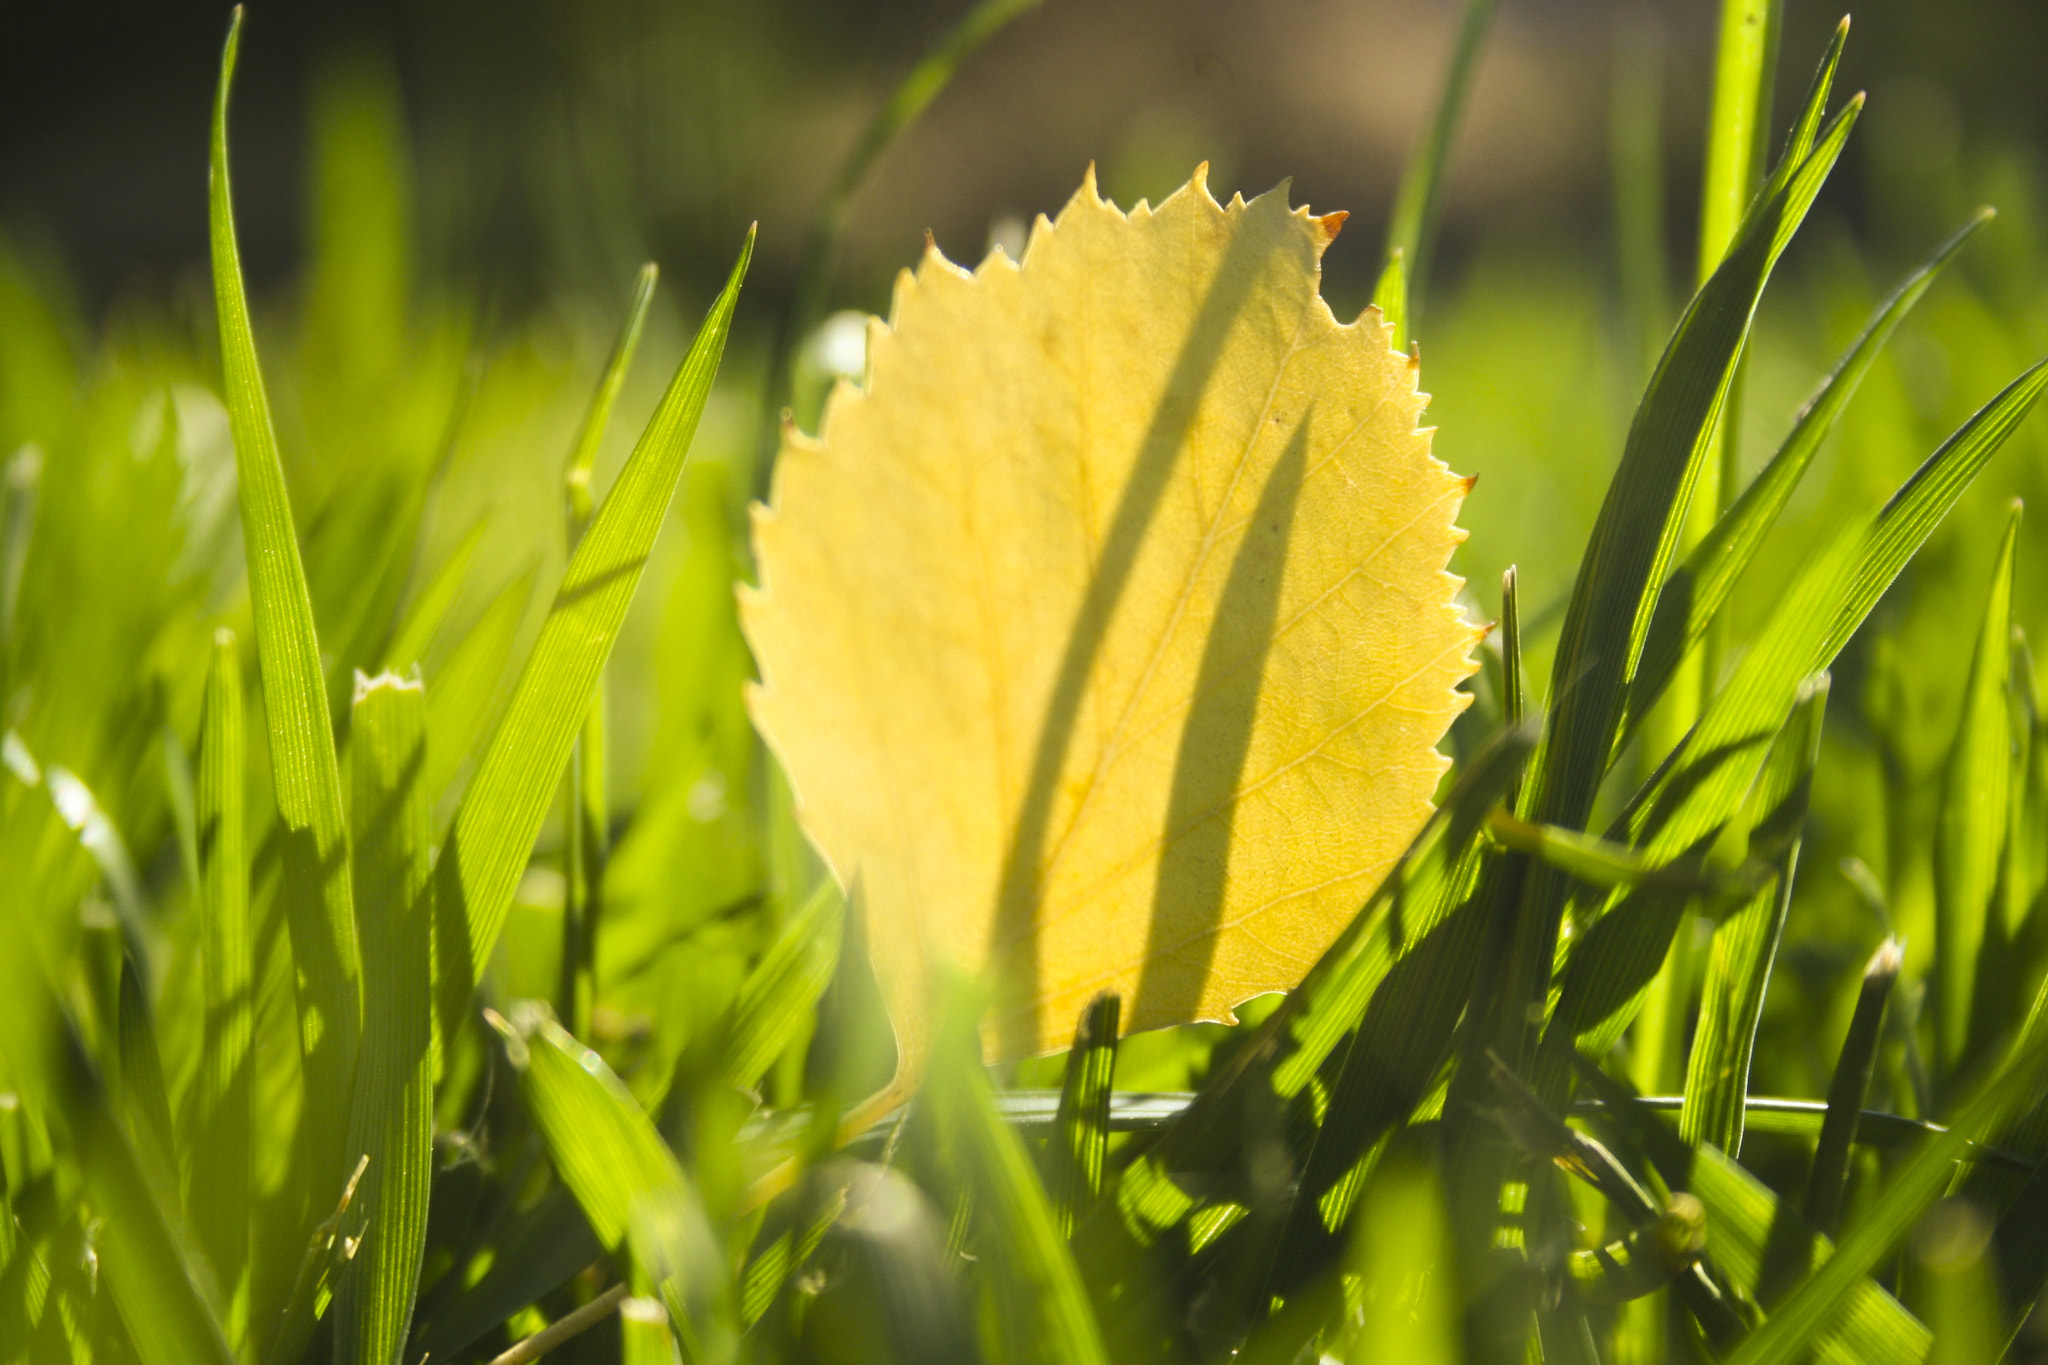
point(423, 618)
point(315, 882)
point(392, 1121)
point(1043, 1311)
point(507, 800)
point(1399, 293)
point(640, 1205)
point(587, 846)
point(807, 297)
point(1827, 1182)
point(783, 989)
point(146, 1268)
point(1970, 932)
point(1079, 1147)
point(1794, 1323)
point(1693, 596)
point(220, 1145)
point(1746, 943)
point(1631, 548)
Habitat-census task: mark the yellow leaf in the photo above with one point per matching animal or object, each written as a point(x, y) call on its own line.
point(1105, 633)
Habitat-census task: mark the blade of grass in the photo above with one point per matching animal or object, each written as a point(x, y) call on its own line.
point(147, 1270)
point(392, 1120)
point(507, 800)
point(588, 818)
point(628, 1183)
point(1745, 944)
point(1746, 59)
point(1421, 193)
point(1969, 836)
point(1827, 1181)
point(932, 74)
point(1043, 1311)
point(315, 884)
point(1692, 598)
point(423, 618)
point(1793, 1325)
point(143, 1098)
point(222, 1097)
point(1076, 1154)
point(785, 986)
point(1631, 547)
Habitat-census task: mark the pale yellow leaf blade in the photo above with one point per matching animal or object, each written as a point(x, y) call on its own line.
point(1105, 633)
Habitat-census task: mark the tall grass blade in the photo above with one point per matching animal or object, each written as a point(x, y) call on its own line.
point(1632, 545)
point(424, 616)
point(1794, 1323)
point(507, 800)
point(146, 1268)
point(1076, 1155)
point(932, 74)
point(1745, 944)
point(1970, 932)
point(1746, 59)
point(1422, 181)
point(1692, 598)
point(392, 1122)
point(1827, 1181)
point(219, 1145)
point(589, 820)
point(315, 882)
point(1042, 1309)
point(641, 1206)
point(779, 995)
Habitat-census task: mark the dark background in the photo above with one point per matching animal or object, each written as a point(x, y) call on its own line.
point(558, 143)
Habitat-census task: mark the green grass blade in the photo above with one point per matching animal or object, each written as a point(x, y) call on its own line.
point(1079, 1148)
point(781, 992)
point(1631, 548)
point(588, 844)
point(466, 689)
point(1827, 1181)
point(145, 1267)
point(392, 1120)
point(583, 454)
point(1794, 1323)
point(144, 1098)
point(222, 1097)
point(1969, 836)
point(423, 617)
point(1746, 59)
point(640, 1205)
point(1697, 590)
point(813, 284)
point(1811, 109)
point(1422, 181)
point(315, 885)
point(1041, 1306)
point(507, 801)
point(1745, 944)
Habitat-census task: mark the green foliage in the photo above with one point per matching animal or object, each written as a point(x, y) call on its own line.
point(252, 1107)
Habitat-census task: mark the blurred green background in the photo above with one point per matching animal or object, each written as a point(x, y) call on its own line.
point(443, 203)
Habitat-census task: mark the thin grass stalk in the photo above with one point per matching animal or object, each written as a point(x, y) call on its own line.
point(820, 256)
point(1827, 1181)
point(1409, 232)
point(587, 841)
